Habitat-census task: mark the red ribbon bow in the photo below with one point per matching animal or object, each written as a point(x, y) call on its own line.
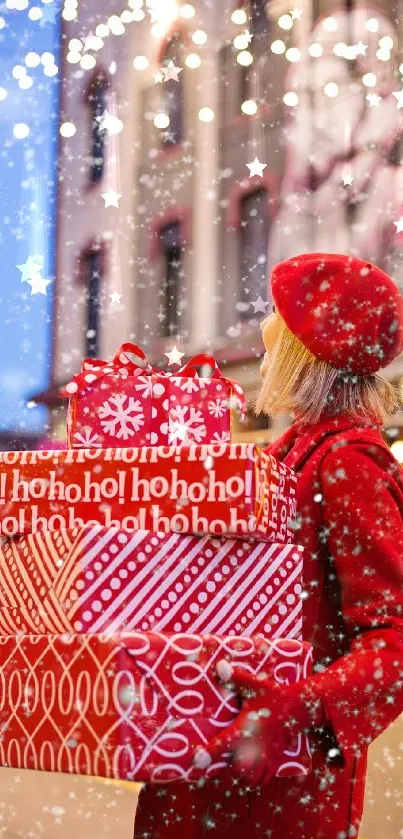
point(124, 365)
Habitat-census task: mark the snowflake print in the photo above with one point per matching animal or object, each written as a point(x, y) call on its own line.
point(186, 424)
point(190, 384)
point(145, 384)
point(218, 408)
point(221, 437)
point(87, 438)
point(121, 416)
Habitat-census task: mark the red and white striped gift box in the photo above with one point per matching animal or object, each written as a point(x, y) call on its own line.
point(96, 579)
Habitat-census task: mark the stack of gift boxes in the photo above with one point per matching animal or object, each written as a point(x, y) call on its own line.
point(130, 564)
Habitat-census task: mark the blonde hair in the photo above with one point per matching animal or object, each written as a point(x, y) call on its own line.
point(297, 382)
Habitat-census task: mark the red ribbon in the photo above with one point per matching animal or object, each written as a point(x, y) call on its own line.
point(123, 365)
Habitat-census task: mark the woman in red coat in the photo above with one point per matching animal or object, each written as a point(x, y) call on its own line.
point(338, 320)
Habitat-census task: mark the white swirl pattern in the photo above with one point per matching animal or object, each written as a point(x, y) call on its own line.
point(113, 705)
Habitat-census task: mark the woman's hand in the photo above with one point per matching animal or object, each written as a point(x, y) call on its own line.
point(271, 715)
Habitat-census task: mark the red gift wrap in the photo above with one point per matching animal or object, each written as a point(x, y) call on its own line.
point(119, 402)
point(226, 489)
point(107, 580)
point(131, 705)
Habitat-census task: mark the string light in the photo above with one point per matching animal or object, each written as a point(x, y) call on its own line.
point(383, 54)
point(241, 42)
point(19, 71)
point(164, 11)
point(161, 120)
point(369, 79)
point(88, 62)
point(249, 107)
point(115, 25)
point(47, 58)
point(397, 450)
point(75, 45)
point(293, 54)
point(21, 130)
point(331, 89)
point(315, 50)
point(290, 98)
point(187, 11)
point(206, 114)
point(26, 82)
point(140, 62)
point(34, 13)
point(372, 24)
point(193, 61)
point(285, 22)
point(73, 57)
point(157, 30)
point(102, 30)
point(278, 47)
point(67, 129)
point(245, 58)
point(330, 24)
point(239, 17)
point(340, 49)
point(32, 59)
point(199, 37)
point(69, 11)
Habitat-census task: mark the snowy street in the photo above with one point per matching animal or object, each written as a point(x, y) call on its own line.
point(36, 805)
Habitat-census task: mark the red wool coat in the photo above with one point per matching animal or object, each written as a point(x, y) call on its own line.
point(350, 515)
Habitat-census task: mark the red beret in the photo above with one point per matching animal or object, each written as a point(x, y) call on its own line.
point(345, 310)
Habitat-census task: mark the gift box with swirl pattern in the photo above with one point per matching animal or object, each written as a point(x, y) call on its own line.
point(131, 705)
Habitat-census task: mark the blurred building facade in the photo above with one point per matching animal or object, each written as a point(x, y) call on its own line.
point(183, 255)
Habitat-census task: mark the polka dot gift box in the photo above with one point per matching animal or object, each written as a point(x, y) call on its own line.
point(129, 403)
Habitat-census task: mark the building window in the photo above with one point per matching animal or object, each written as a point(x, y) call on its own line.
point(91, 274)
point(258, 27)
point(97, 101)
point(253, 241)
point(172, 253)
point(173, 93)
point(258, 20)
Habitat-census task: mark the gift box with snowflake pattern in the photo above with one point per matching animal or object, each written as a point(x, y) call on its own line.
point(132, 705)
point(119, 403)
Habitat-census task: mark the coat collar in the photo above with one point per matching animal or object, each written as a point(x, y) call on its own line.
point(302, 437)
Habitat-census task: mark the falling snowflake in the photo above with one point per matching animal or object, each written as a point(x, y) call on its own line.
point(121, 415)
point(87, 438)
point(185, 424)
point(218, 408)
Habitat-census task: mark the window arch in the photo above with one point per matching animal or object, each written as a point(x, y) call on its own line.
point(172, 91)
